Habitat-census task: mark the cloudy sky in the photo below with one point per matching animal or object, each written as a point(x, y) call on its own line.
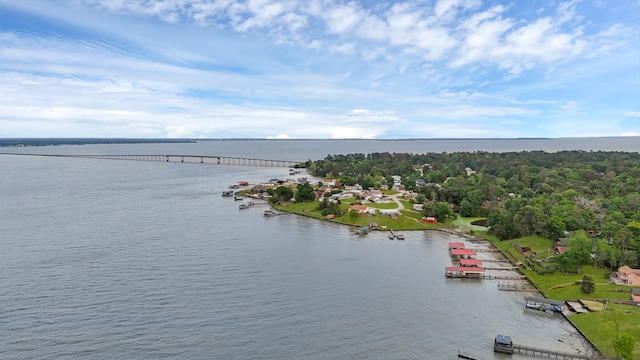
point(319, 68)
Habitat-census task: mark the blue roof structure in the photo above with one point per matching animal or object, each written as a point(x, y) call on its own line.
point(503, 339)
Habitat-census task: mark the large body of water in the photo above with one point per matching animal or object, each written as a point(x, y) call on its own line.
point(107, 259)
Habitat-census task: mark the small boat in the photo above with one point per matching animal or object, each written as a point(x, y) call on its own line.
point(243, 206)
point(227, 193)
point(400, 237)
point(238, 197)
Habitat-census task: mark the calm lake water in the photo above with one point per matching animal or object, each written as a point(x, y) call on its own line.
point(144, 260)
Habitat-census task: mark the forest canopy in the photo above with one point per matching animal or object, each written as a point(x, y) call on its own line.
point(520, 193)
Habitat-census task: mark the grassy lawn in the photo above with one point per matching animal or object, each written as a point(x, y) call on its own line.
point(600, 327)
point(407, 204)
point(412, 214)
point(464, 224)
point(403, 222)
point(389, 205)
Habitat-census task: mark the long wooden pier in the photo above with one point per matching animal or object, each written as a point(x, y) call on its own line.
point(551, 354)
point(252, 204)
point(193, 159)
point(486, 276)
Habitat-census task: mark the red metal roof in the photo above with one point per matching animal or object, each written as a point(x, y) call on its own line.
point(470, 262)
point(456, 245)
point(462, 252)
point(465, 269)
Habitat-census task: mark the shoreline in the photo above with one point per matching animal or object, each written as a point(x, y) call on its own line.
point(587, 343)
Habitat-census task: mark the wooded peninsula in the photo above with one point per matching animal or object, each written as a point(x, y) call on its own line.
point(576, 213)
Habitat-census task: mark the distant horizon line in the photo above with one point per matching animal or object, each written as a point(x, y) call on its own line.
point(143, 139)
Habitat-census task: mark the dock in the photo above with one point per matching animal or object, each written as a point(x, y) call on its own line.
point(252, 204)
point(513, 286)
point(504, 344)
point(550, 354)
point(577, 307)
point(544, 304)
point(270, 213)
point(454, 274)
point(392, 235)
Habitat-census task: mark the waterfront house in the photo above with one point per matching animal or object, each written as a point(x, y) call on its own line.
point(430, 219)
point(635, 295)
point(411, 195)
point(561, 245)
point(361, 209)
point(389, 212)
point(627, 276)
point(418, 207)
point(259, 189)
point(329, 183)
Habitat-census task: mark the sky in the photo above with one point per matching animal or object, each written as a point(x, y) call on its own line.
point(319, 69)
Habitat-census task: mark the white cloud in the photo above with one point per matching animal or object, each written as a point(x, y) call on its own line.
point(318, 68)
point(342, 18)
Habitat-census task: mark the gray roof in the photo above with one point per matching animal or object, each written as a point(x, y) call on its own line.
point(503, 339)
point(544, 300)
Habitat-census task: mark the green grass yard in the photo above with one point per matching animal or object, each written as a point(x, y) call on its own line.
point(598, 327)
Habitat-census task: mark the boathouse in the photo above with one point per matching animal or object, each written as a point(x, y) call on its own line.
point(544, 303)
point(362, 230)
point(456, 245)
point(470, 263)
point(458, 254)
point(503, 344)
point(463, 272)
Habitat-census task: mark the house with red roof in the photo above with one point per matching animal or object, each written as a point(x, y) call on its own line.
point(361, 209)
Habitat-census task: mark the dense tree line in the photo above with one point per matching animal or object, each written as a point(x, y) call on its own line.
point(520, 193)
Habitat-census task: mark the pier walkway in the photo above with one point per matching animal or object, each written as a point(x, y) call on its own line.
point(194, 159)
point(252, 204)
point(550, 354)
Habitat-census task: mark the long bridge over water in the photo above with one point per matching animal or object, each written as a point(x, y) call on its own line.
point(193, 159)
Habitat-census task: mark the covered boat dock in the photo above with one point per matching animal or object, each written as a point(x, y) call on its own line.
point(456, 245)
point(464, 272)
point(458, 254)
point(471, 262)
point(544, 304)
